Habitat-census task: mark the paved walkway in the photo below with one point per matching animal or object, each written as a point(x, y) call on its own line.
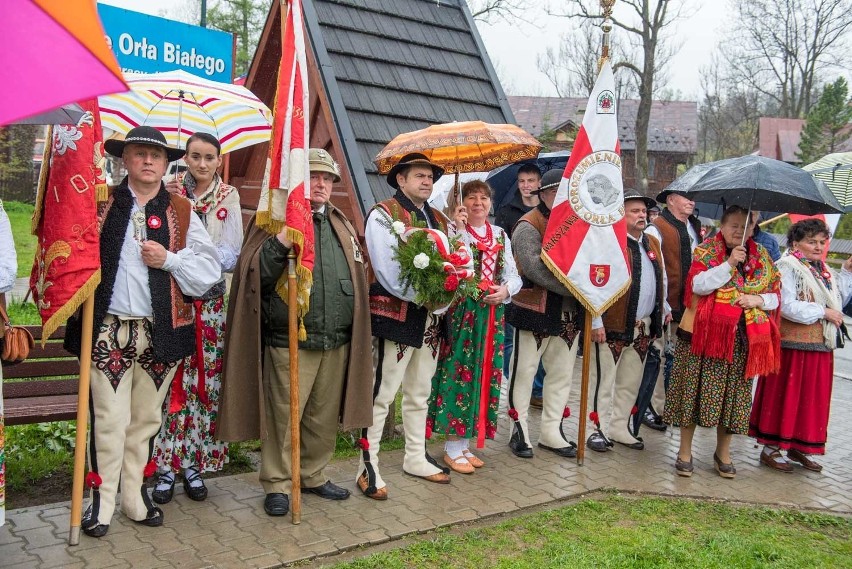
point(231, 530)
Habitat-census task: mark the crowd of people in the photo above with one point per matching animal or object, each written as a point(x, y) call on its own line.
point(178, 372)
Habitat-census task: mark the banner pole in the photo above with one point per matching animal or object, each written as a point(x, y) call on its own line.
point(584, 389)
point(295, 438)
point(82, 420)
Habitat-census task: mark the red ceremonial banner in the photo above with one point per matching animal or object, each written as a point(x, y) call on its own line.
point(67, 266)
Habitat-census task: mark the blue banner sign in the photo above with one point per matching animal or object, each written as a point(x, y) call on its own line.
point(148, 44)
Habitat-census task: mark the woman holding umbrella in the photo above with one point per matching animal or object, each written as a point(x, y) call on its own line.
point(726, 337)
point(187, 438)
point(791, 407)
point(466, 386)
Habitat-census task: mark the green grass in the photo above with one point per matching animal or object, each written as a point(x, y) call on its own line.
point(20, 217)
point(627, 532)
point(23, 314)
point(37, 452)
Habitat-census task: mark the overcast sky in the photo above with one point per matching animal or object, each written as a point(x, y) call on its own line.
point(514, 47)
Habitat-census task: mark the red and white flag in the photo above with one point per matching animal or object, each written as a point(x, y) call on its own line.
point(285, 192)
point(585, 244)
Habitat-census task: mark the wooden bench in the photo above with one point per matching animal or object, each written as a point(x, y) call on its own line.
point(42, 388)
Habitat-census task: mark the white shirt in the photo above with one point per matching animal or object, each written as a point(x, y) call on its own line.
point(804, 312)
point(708, 281)
point(8, 256)
point(380, 245)
point(195, 268)
point(510, 276)
point(647, 287)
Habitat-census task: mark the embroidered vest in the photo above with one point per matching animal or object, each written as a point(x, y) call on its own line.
point(173, 325)
point(534, 308)
point(678, 256)
point(391, 317)
point(619, 320)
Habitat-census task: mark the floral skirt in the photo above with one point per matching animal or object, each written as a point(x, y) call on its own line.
point(791, 407)
point(456, 387)
point(707, 391)
point(187, 437)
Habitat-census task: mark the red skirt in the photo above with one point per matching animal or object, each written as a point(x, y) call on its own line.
point(791, 407)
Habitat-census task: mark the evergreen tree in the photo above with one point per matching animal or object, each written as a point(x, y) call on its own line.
point(825, 121)
point(244, 19)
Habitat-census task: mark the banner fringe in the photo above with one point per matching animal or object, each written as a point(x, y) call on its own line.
point(575, 292)
point(304, 282)
point(70, 307)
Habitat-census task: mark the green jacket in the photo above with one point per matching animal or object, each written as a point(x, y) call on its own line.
point(332, 304)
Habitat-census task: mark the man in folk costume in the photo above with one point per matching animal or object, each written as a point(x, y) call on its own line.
point(406, 336)
point(155, 255)
point(334, 359)
point(547, 325)
point(625, 331)
point(679, 233)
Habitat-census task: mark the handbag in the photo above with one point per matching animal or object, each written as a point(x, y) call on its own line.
point(17, 340)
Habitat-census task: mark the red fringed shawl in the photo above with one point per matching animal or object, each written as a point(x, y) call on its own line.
point(716, 318)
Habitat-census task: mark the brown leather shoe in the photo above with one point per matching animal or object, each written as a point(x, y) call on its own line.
point(802, 458)
point(473, 459)
point(459, 466)
point(725, 470)
point(775, 461)
point(684, 467)
point(380, 494)
point(437, 478)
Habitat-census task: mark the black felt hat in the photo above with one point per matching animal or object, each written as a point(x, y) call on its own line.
point(146, 135)
point(413, 159)
point(551, 179)
point(631, 194)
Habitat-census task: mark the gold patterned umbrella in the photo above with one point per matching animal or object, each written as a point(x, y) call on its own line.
point(472, 146)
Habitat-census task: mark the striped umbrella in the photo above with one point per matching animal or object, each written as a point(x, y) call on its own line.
point(180, 104)
point(836, 171)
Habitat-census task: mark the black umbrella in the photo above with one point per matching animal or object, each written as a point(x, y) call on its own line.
point(760, 183)
point(504, 180)
point(646, 389)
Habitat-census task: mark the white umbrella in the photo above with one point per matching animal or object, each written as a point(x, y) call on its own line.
point(179, 104)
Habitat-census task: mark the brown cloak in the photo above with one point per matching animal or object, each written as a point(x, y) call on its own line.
point(241, 408)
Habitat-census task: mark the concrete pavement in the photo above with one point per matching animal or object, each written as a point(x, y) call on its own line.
point(230, 529)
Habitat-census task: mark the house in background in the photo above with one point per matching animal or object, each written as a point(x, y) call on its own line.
point(779, 138)
point(376, 68)
point(672, 132)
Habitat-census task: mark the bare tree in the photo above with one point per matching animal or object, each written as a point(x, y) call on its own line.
point(780, 47)
point(572, 68)
point(646, 23)
point(492, 10)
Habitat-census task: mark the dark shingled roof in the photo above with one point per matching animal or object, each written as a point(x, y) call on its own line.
point(673, 127)
point(393, 66)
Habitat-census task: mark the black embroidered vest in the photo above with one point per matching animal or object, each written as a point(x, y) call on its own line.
point(173, 325)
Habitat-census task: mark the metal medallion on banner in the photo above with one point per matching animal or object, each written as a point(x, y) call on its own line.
point(594, 189)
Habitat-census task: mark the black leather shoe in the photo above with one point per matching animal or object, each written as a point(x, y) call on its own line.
point(567, 452)
point(638, 445)
point(197, 493)
point(518, 447)
point(164, 496)
point(597, 442)
point(329, 491)
point(153, 519)
point(91, 527)
point(653, 421)
point(276, 504)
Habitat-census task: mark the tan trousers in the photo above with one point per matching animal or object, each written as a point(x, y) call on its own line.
point(412, 370)
point(558, 361)
point(128, 390)
point(321, 378)
point(618, 388)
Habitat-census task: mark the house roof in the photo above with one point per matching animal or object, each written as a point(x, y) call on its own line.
point(673, 126)
point(393, 66)
point(779, 138)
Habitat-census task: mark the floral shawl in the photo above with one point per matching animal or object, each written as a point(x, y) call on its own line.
point(717, 318)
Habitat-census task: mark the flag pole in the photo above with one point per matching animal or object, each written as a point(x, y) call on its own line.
point(82, 420)
point(584, 389)
point(295, 438)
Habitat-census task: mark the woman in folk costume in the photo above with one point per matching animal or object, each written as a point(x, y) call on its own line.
point(187, 438)
point(791, 407)
point(466, 385)
point(726, 337)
